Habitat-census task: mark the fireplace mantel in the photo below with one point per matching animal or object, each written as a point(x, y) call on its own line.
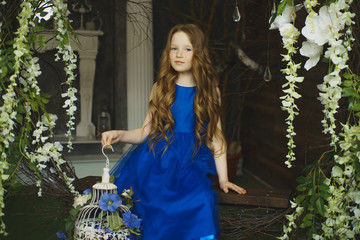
point(87, 47)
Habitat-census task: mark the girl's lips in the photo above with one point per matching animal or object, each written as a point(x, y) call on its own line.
point(179, 62)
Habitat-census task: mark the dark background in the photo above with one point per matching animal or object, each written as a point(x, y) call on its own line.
point(252, 112)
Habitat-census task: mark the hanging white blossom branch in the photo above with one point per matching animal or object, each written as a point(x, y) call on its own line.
point(22, 99)
point(326, 28)
point(341, 208)
point(68, 56)
point(8, 109)
point(289, 35)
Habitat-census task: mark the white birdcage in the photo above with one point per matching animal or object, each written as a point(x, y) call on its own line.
point(91, 223)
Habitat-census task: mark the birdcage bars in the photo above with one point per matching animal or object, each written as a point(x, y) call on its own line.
point(92, 222)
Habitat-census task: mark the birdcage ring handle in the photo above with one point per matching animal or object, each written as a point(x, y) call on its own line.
point(107, 159)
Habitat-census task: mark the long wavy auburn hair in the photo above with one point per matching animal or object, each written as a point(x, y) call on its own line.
point(206, 101)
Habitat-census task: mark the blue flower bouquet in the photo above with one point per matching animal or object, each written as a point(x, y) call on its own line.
point(108, 215)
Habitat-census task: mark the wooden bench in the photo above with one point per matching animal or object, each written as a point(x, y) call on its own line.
point(276, 198)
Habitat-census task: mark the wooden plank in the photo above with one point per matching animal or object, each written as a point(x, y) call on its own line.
point(256, 197)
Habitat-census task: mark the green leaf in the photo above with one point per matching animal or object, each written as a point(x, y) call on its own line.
point(19, 119)
point(10, 66)
point(39, 28)
point(325, 194)
point(299, 199)
point(320, 207)
point(115, 221)
point(74, 211)
point(69, 225)
point(312, 190)
point(301, 179)
point(301, 188)
point(24, 143)
point(357, 169)
point(346, 75)
point(21, 109)
point(323, 187)
point(355, 107)
point(350, 92)
point(307, 221)
point(348, 83)
point(282, 5)
point(4, 71)
point(311, 203)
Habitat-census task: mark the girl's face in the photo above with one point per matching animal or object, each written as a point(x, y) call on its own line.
point(181, 52)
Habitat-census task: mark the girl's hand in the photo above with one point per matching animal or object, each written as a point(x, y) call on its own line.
point(225, 186)
point(110, 137)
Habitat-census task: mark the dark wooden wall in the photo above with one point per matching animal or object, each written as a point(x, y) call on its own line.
point(263, 128)
point(252, 107)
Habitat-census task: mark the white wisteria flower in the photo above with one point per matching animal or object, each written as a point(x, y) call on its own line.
point(313, 51)
point(318, 28)
point(285, 17)
point(289, 33)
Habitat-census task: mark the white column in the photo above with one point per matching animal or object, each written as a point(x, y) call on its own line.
point(87, 47)
point(139, 48)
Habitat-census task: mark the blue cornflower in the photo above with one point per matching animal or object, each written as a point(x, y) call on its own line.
point(131, 220)
point(109, 202)
point(87, 191)
point(61, 236)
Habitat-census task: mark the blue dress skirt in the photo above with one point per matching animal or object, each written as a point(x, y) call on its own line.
point(176, 201)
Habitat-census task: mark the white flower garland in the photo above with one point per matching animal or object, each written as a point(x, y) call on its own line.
point(26, 70)
point(326, 27)
point(69, 58)
point(291, 221)
point(289, 35)
point(319, 29)
point(8, 109)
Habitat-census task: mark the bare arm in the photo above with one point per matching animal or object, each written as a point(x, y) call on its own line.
point(221, 164)
point(135, 136)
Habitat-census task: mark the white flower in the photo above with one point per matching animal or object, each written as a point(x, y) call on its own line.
point(81, 200)
point(336, 172)
point(356, 197)
point(49, 120)
point(348, 171)
point(125, 193)
point(285, 17)
point(357, 213)
point(318, 28)
point(312, 51)
point(289, 33)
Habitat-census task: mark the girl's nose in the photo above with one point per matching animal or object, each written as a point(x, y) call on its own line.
point(179, 53)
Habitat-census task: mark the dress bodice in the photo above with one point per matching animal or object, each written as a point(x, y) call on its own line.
point(183, 109)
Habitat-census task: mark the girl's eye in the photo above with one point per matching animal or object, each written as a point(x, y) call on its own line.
point(173, 48)
point(188, 49)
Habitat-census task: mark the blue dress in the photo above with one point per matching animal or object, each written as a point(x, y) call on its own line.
point(176, 201)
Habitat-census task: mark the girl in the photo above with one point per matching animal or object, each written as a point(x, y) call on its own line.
point(180, 145)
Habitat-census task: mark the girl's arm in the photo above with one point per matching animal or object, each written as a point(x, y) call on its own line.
point(135, 136)
point(221, 161)
point(221, 166)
